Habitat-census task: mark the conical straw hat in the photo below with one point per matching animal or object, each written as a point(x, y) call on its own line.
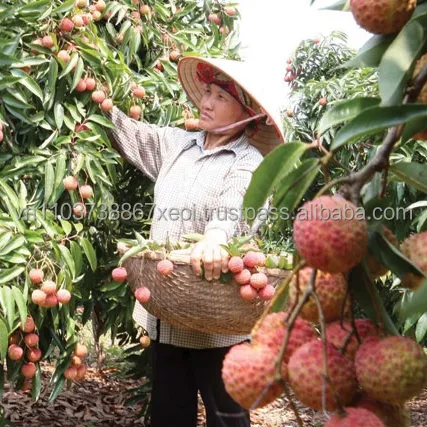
point(268, 136)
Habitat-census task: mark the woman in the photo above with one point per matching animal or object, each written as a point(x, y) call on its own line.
point(206, 173)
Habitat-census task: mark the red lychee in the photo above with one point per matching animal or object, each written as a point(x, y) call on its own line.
point(248, 372)
point(235, 264)
point(98, 96)
point(36, 275)
point(80, 350)
point(165, 267)
point(258, 280)
point(81, 86)
point(355, 417)
point(305, 372)
point(90, 83)
point(70, 373)
point(415, 248)
point(64, 296)
point(29, 325)
point(107, 104)
point(86, 191)
point(70, 183)
point(243, 278)
point(34, 354)
point(142, 294)
point(248, 293)
point(28, 370)
point(119, 274)
point(251, 259)
point(66, 25)
point(63, 55)
point(191, 124)
point(267, 292)
point(49, 287)
point(31, 340)
point(135, 112)
point(139, 92)
point(15, 352)
point(331, 234)
point(145, 341)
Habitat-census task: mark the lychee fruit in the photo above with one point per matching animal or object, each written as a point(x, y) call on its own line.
point(81, 4)
point(191, 124)
point(403, 368)
point(31, 340)
point(390, 415)
point(251, 259)
point(272, 331)
point(119, 274)
point(135, 112)
point(86, 191)
point(51, 301)
point(90, 83)
point(29, 325)
point(267, 293)
point(70, 183)
point(230, 11)
point(165, 267)
point(70, 373)
point(243, 278)
point(15, 352)
point(38, 297)
point(80, 350)
point(142, 294)
point(258, 280)
point(330, 234)
point(76, 361)
point(415, 248)
point(144, 9)
point(355, 417)
point(34, 354)
point(145, 341)
point(338, 333)
point(376, 269)
point(384, 16)
point(81, 86)
point(98, 96)
point(64, 296)
point(323, 101)
point(305, 373)
point(330, 288)
point(63, 55)
point(36, 275)
point(81, 372)
point(47, 41)
point(28, 370)
point(78, 21)
point(49, 287)
point(235, 264)
point(214, 18)
point(139, 92)
point(66, 25)
point(248, 293)
point(107, 104)
point(248, 372)
point(79, 209)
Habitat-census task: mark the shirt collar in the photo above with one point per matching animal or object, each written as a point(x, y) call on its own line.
point(238, 145)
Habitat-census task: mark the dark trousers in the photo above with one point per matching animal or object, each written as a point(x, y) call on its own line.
point(178, 374)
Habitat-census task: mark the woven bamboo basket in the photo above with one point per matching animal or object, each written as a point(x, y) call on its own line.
point(186, 301)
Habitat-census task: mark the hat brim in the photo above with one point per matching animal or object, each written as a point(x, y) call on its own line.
point(267, 137)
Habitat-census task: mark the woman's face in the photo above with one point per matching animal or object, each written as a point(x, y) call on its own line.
point(218, 108)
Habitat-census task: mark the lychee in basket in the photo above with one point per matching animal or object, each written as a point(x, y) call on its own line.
point(189, 301)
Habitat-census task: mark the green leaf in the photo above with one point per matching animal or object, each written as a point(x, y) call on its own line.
point(48, 181)
point(69, 261)
point(269, 173)
point(416, 302)
point(15, 243)
point(367, 296)
point(292, 189)
point(421, 329)
point(89, 252)
point(371, 53)
point(8, 274)
point(9, 304)
point(395, 68)
point(377, 119)
point(28, 82)
point(57, 388)
point(73, 61)
point(76, 252)
point(21, 303)
point(58, 112)
point(64, 7)
point(101, 120)
point(412, 173)
point(344, 111)
point(131, 252)
point(66, 226)
point(78, 73)
point(4, 342)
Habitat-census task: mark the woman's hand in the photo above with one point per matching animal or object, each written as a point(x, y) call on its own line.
point(213, 256)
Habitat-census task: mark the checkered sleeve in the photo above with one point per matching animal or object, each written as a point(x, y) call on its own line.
point(227, 214)
point(143, 145)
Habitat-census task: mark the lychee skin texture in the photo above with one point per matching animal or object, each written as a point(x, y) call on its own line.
point(258, 280)
point(247, 371)
point(31, 340)
point(415, 248)
point(34, 354)
point(165, 267)
point(355, 417)
point(29, 325)
point(248, 293)
point(15, 352)
point(80, 350)
point(235, 264)
point(330, 234)
point(390, 415)
point(267, 292)
point(64, 296)
point(49, 287)
point(70, 183)
point(271, 333)
point(330, 288)
point(305, 372)
point(251, 259)
point(382, 16)
point(36, 275)
point(28, 370)
point(70, 373)
point(119, 274)
point(142, 294)
point(392, 370)
point(337, 333)
point(243, 278)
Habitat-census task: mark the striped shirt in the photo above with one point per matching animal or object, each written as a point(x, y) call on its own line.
point(195, 190)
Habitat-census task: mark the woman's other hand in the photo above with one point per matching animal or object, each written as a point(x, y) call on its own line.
point(209, 252)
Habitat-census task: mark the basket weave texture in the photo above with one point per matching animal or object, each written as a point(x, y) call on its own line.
point(187, 301)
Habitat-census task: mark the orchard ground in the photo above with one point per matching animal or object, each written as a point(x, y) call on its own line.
point(100, 399)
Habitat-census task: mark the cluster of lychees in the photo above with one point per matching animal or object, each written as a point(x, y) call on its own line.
point(86, 192)
point(23, 347)
point(369, 375)
point(253, 283)
point(77, 369)
point(47, 295)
